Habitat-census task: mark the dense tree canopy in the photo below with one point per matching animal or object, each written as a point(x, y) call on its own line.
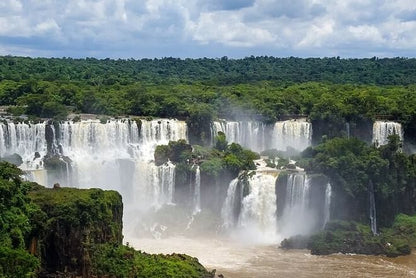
point(329, 90)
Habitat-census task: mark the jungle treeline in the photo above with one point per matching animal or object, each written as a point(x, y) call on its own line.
point(330, 90)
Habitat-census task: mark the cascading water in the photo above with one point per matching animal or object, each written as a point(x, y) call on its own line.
point(26, 140)
point(296, 134)
point(115, 155)
point(348, 130)
point(382, 129)
point(373, 214)
point(197, 190)
point(296, 218)
point(255, 135)
point(258, 209)
point(327, 207)
point(227, 211)
point(249, 134)
point(257, 218)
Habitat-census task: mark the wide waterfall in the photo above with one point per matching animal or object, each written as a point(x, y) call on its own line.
point(383, 129)
point(115, 155)
point(249, 134)
point(257, 214)
point(258, 136)
point(296, 134)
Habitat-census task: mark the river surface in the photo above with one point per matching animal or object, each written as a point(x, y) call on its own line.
point(235, 259)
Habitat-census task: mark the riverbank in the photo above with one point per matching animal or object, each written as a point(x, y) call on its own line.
point(234, 259)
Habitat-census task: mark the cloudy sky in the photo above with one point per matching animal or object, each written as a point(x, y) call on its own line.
point(208, 28)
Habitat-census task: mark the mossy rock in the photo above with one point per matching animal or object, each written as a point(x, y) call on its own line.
point(76, 218)
point(295, 242)
point(351, 237)
point(122, 261)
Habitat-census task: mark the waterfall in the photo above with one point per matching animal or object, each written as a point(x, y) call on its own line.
point(327, 207)
point(296, 134)
point(227, 211)
point(296, 217)
point(115, 155)
point(257, 217)
point(297, 193)
point(347, 129)
point(373, 215)
point(197, 190)
point(258, 208)
point(26, 140)
point(258, 136)
point(382, 129)
point(101, 155)
point(249, 134)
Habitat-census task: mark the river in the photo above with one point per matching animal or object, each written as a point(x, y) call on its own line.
point(235, 259)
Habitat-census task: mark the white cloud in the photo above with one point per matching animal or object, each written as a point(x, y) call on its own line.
point(165, 27)
point(228, 28)
point(366, 33)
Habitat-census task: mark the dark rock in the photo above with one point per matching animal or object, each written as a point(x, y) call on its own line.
point(295, 242)
point(13, 159)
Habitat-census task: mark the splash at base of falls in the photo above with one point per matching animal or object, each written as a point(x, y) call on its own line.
point(249, 210)
point(297, 217)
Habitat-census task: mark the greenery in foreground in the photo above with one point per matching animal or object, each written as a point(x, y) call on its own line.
point(44, 231)
point(123, 261)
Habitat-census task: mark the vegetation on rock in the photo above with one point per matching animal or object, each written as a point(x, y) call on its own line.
point(351, 237)
point(74, 232)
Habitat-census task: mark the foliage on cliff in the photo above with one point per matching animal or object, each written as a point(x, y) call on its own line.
point(16, 224)
point(175, 151)
point(351, 237)
point(123, 261)
point(75, 219)
point(213, 161)
point(352, 165)
point(76, 232)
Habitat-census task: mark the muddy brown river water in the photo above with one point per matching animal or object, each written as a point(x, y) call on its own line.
point(240, 260)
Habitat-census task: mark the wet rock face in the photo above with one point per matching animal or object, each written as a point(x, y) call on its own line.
point(13, 159)
point(75, 220)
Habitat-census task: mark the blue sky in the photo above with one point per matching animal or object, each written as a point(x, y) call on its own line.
point(202, 28)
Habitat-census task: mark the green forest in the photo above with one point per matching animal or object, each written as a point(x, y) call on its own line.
point(330, 90)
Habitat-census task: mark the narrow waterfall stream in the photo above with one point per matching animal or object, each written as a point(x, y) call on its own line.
point(373, 213)
point(327, 208)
